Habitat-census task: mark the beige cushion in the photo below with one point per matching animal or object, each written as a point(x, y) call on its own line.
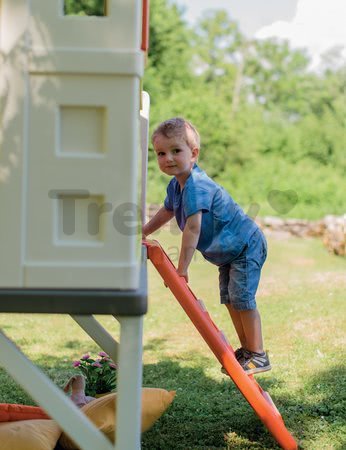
point(102, 412)
point(29, 435)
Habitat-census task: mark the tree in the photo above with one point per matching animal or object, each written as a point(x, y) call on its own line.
point(169, 63)
point(217, 57)
point(217, 42)
point(277, 77)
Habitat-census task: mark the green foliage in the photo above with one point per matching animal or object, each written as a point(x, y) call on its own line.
point(85, 7)
point(319, 189)
point(169, 52)
point(217, 41)
point(266, 122)
point(277, 75)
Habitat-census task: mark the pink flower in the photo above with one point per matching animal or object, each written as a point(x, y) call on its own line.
point(112, 365)
point(96, 364)
point(85, 357)
point(103, 354)
point(76, 363)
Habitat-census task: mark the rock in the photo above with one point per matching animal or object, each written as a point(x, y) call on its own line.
point(334, 237)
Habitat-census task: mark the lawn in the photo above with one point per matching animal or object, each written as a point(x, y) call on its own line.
point(302, 302)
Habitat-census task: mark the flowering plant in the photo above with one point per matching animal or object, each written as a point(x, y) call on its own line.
point(100, 374)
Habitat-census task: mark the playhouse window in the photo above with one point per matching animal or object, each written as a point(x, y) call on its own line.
point(85, 7)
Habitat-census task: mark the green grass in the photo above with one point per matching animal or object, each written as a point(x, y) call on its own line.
point(302, 302)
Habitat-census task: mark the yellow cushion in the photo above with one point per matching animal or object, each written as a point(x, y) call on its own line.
point(102, 412)
point(154, 403)
point(29, 435)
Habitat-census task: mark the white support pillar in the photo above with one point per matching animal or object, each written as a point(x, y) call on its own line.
point(129, 397)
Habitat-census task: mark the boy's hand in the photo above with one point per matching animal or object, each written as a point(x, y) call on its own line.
point(183, 275)
point(144, 231)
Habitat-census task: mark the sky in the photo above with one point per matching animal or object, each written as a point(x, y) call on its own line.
point(316, 25)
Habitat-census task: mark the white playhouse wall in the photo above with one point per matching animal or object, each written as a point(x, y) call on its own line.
point(69, 146)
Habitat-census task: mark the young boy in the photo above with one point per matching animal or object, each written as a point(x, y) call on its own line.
point(214, 224)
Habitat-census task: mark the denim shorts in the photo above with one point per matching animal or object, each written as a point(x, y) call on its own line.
point(238, 280)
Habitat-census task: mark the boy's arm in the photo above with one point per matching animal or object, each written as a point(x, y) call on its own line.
point(189, 242)
point(161, 217)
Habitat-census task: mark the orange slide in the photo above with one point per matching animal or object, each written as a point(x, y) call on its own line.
point(194, 308)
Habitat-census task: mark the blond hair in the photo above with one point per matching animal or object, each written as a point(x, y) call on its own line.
point(178, 126)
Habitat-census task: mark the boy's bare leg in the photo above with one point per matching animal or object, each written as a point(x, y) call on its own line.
point(238, 324)
point(248, 327)
point(251, 323)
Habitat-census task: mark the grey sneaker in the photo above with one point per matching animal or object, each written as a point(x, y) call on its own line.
point(240, 355)
point(256, 363)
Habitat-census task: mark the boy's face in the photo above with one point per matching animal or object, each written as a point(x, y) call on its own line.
point(174, 156)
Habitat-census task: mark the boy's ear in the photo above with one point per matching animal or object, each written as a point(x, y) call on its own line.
point(195, 152)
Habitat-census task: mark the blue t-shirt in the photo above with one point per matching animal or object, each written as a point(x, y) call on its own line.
point(225, 228)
